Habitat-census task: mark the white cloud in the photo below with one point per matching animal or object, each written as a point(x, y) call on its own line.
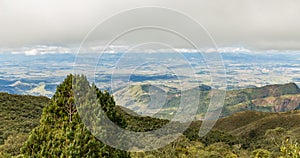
point(40, 50)
point(205, 50)
point(262, 24)
point(43, 49)
point(31, 52)
point(233, 49)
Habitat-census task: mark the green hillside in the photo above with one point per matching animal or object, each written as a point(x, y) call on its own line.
point(270, 98)
point(60, 131)
point(18, 116)
point(244, 124)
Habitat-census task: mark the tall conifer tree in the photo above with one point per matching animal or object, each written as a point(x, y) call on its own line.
point(62, 133)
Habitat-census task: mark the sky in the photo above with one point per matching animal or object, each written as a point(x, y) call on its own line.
point(257, 24)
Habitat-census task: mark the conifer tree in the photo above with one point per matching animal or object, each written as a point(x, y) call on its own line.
point(62, 133)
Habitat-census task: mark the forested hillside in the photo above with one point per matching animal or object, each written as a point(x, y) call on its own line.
point(19, 114)
point(61, 132)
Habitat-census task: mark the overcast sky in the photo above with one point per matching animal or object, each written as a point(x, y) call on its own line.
point(258, 24)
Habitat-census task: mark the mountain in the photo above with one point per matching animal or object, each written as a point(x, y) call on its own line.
point(270, 104)
point(270, 98)
point(247, 123)
point(61, 132)
point(19, 83)
point(144, 99)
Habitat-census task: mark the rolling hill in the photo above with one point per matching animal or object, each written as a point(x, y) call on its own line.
point(244, 125)
point(270, 98)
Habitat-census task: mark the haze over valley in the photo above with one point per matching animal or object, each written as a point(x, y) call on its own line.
point(39, 74)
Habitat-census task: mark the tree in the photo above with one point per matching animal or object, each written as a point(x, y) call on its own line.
point(61, 131)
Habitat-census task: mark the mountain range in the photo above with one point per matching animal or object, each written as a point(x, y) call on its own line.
point(249, 116)
point(163, 102)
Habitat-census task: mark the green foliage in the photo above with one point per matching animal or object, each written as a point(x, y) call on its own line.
point(182, 148)
point(253, 125)
point(261, 153)
point(290, 149)
point(219, 136)
point(4, 155)
point(13, 143)
point(62, 133)
point(19, 115)
point(275, 136)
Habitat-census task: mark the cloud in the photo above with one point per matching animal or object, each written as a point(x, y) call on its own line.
point(44, 49)
point(259, 24)
point(40, 50)
point(31, 52)
point(234, 50)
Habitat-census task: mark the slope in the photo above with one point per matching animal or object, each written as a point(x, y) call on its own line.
point(19, 115)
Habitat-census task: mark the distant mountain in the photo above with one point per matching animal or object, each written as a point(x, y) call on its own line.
point(19, 83)
point(143, 99)
point(40, 90)
point(270, 98)
point(164, 102)
point(269, 104)
point(27, 86)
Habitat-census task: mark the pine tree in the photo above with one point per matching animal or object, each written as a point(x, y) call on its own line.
point(62, 133)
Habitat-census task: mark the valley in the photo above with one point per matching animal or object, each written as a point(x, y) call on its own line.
point(39, 74)
point(254, 120)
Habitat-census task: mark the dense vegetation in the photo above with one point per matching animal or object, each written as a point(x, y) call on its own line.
point(61, 132)
point(18, 116)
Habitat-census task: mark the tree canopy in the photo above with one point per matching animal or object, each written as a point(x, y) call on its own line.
point(62, 133)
